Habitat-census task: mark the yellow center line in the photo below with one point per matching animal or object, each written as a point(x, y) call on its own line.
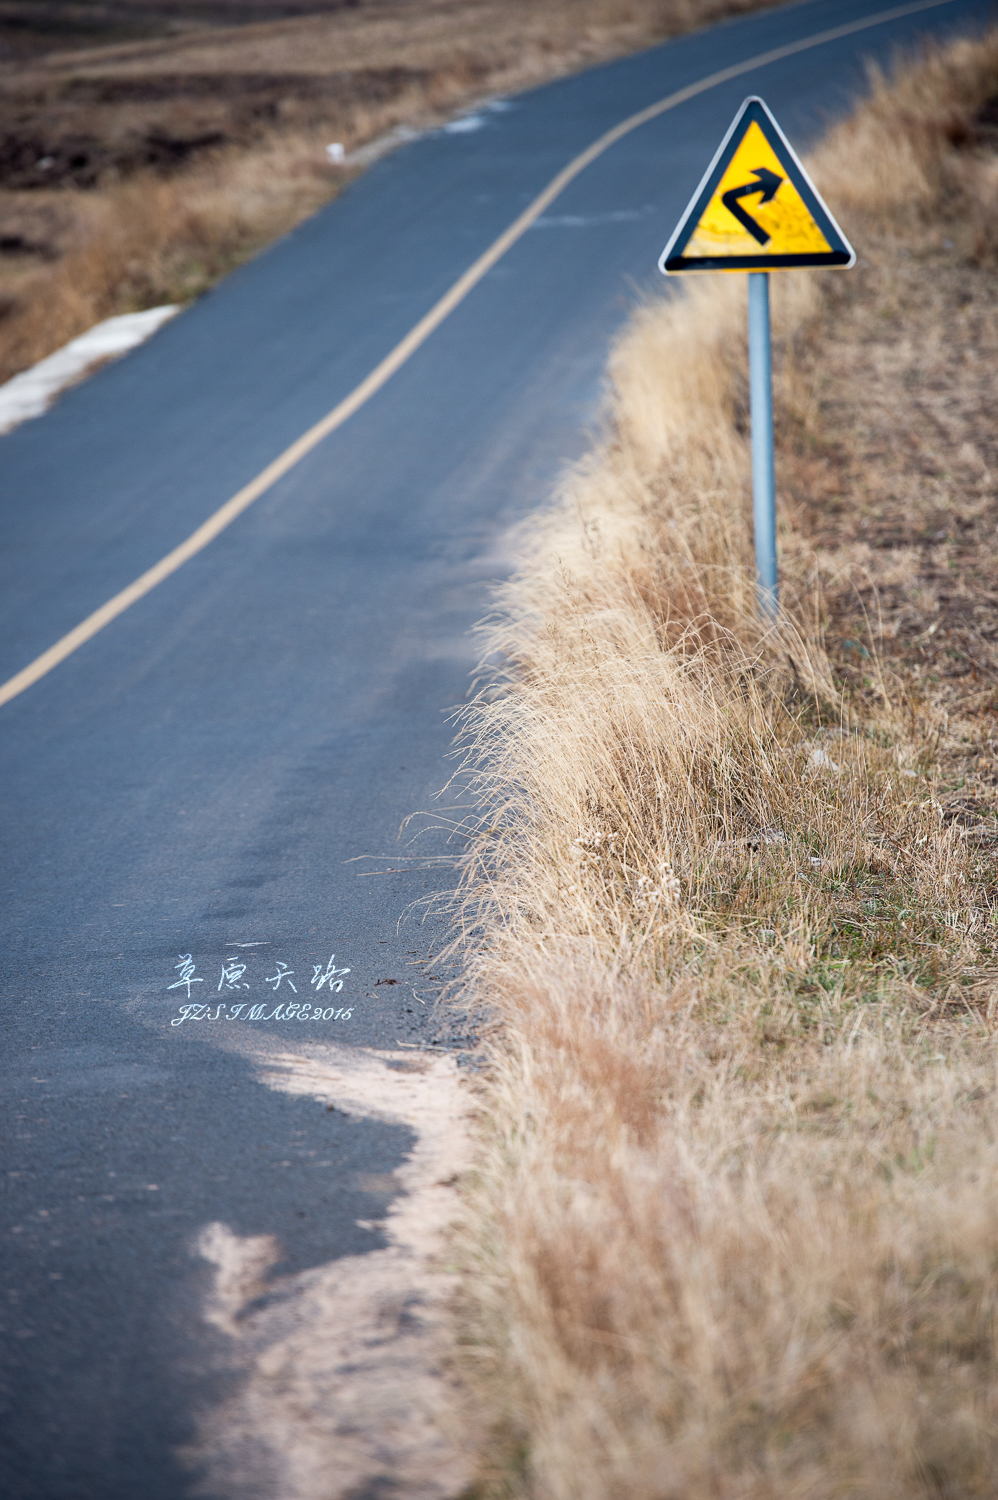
point(413, 340)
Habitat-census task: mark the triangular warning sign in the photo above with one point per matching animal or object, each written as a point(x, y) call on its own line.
point(756, 209)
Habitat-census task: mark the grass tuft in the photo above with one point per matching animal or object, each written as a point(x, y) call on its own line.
point(732, 897)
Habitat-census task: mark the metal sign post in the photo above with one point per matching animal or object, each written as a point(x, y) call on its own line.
point(757, 210)
point(763, 464)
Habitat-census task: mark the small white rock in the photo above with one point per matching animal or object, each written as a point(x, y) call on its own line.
point(335, 153)
point(822, 761)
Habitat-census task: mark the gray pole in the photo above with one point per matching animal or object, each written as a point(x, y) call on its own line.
point(763, 470)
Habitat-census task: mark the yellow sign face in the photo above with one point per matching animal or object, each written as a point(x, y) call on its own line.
point(756, 209)
point(770, 202)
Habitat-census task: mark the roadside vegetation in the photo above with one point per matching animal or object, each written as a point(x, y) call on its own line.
point(732, 899)
point(147, 150)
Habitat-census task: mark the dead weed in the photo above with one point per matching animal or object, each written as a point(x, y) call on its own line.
point(738, 1204)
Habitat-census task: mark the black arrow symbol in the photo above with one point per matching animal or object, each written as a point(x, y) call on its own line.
point(766, 186)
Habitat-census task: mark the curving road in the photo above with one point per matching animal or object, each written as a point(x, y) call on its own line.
point(184, 795)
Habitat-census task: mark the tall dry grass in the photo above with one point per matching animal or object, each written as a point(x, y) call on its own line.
point(736, 1223)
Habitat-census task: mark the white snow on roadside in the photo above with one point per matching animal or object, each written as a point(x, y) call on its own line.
point(364, 156)
point(343, 1385)
point(464, 123)
point(472, 119)
point(32, 392)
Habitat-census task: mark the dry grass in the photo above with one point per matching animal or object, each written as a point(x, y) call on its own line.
point(138, 173)
point(732, 900)
point(149, 241)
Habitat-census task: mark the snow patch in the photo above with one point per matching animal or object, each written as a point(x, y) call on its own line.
point(345, 1384)
point(32, 392)
point(464, 124)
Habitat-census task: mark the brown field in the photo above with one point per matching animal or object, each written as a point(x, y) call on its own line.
point(735, 1230)
point(146, 149)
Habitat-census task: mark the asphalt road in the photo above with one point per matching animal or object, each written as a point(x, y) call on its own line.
point(206, 772)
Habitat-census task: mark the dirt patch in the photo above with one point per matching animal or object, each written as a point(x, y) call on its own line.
point(94, 129)
point(891, 471)
point(32, 31)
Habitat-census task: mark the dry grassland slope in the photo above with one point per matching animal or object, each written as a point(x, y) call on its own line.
point(140, 171)
point(737, 1217)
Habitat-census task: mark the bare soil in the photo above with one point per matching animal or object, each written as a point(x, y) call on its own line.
point(891, 473)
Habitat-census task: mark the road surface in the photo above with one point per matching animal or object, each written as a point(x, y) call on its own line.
point(192, 800)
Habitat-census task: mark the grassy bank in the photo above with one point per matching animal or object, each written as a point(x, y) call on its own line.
point(737, 1219)
point(139, 171)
